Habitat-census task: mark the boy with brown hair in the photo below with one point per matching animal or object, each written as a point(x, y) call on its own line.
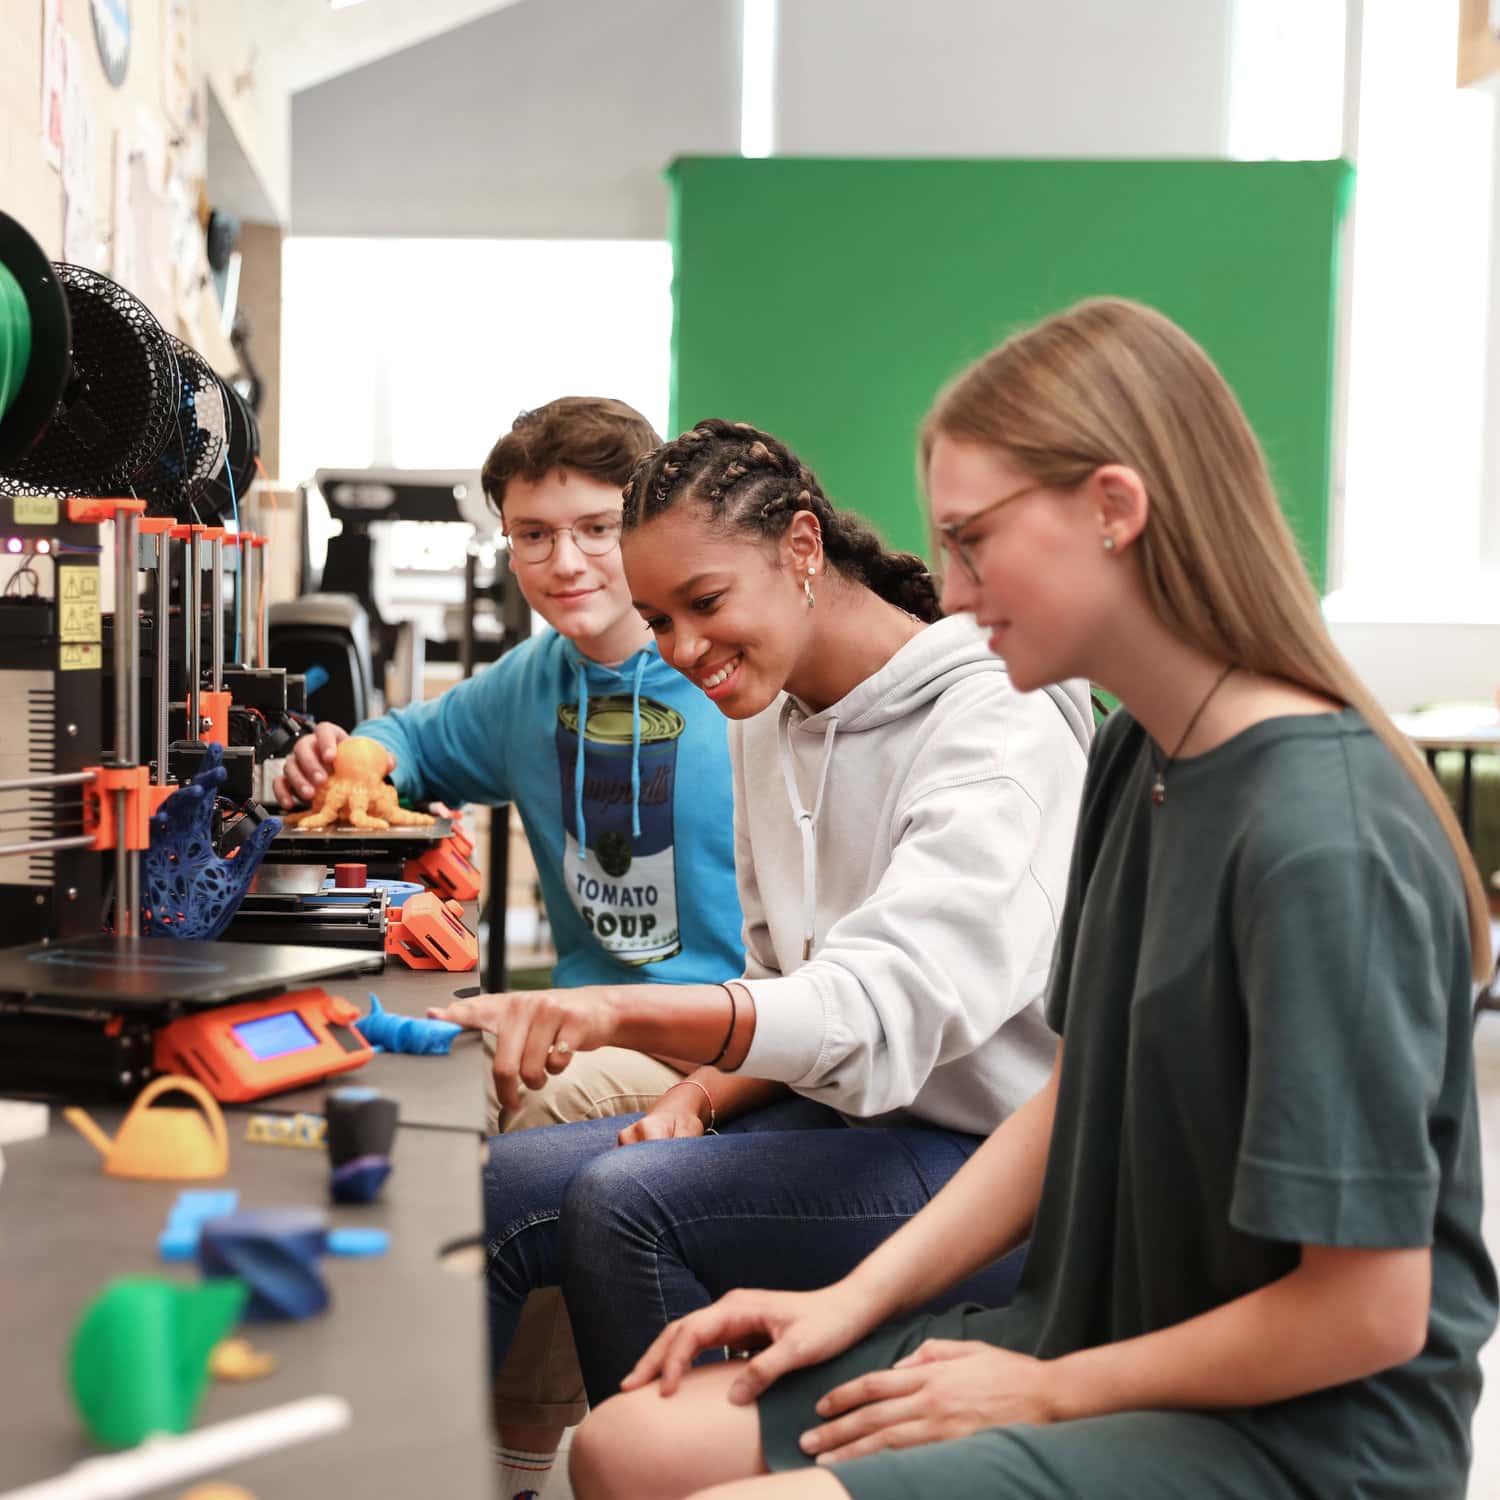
point(619, 768)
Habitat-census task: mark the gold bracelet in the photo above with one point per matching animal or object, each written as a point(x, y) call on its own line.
point(712, 1117)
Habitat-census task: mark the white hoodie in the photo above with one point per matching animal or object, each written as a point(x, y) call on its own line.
point(915, 838)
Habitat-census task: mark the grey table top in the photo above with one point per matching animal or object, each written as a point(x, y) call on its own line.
point(1452, 727)
point(403, 1340)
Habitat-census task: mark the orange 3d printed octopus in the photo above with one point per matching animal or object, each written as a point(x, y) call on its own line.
point(357, 793)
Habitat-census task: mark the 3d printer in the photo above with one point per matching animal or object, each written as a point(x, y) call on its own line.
point(104, 418)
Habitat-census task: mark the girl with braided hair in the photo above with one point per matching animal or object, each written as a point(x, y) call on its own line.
point(750, 482)
point(1251, 1185)
point(902, 820)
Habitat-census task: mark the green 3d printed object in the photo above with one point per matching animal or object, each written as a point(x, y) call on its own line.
point(139, 1357)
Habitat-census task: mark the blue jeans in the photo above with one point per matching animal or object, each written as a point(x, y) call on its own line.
point(789, 1197)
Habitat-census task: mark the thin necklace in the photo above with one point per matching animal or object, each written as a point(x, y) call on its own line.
point(1159, 786)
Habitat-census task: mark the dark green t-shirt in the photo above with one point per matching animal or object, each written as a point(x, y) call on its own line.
point(1264, 996)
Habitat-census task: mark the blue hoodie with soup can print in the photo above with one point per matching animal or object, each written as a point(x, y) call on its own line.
point(621, 778)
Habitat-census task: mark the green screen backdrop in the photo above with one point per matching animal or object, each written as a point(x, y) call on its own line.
point(827, 301)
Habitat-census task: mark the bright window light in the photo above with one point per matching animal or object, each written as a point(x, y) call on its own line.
point(757, 77)
point(420, 353)
point(1418, 324)
point(1286, 80)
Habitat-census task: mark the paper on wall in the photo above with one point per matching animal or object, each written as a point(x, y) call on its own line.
point(122, 239)
point(151, 145)
point(177, 62)
point(54, 73)
point(80, 245)
point(77, 123)
point(151, 230)
point(81, 228)
point(186, 242)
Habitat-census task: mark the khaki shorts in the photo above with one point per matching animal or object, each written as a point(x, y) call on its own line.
point(540, 1384)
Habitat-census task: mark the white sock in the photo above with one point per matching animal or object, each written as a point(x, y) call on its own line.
point(523, 1476)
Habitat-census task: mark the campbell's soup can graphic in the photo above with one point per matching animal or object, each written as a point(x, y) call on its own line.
point(625, 887)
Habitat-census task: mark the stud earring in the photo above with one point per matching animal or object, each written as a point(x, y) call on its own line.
point(1109, 544)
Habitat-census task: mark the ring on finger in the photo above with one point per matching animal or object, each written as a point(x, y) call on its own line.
point(561, 1048)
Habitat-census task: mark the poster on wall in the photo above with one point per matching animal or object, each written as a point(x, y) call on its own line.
point(54, 69)
point(152, 224)
point(81, 238)
point(81, 242)
point(122, 237)
point(142, 218)
point(177, 62)
point(112, 33)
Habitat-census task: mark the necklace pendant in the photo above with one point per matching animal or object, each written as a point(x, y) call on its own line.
point(1158, 790)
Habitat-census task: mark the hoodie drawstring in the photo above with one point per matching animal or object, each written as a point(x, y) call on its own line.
point(807, 822)
point(635, 748)
point(583, 729)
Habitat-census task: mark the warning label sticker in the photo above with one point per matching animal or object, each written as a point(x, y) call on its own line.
point(80, 658)
point(36, 510)
point(78, 604)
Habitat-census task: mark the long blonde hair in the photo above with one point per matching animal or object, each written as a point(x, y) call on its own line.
point(1111, 381)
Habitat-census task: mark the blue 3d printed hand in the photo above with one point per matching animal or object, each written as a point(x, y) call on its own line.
point(190, 891)
point(409, 1034)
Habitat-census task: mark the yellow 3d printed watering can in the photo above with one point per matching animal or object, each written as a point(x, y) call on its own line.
point(167, 1144)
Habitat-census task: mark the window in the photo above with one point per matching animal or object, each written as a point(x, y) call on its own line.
point(419, 353)
point(1286, 80)
point(1419, 296)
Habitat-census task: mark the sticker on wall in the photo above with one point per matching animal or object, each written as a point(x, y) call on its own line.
point(112, 33)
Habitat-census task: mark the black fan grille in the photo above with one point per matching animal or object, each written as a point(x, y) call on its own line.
point(195, 445)
point(119, 406)
point(241, 449)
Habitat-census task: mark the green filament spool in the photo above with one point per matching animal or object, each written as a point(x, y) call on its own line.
point(15, 338)
point(35, 344)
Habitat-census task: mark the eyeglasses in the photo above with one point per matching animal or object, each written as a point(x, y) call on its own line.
point(960, 551)
point(594, 536)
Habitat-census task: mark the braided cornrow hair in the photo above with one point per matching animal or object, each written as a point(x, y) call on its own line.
point(751, 482)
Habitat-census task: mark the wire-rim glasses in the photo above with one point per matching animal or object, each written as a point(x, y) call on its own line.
point(594, 536)
point(961, 550)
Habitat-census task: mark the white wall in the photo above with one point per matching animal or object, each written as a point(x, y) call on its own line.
point(549, 119)
point(257, 53)
point(1002, 77)
point(555, 118)
point(246, 65)
point(235, 185)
